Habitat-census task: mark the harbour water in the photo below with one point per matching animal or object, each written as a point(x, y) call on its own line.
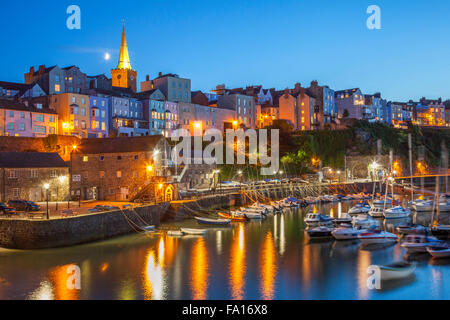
point(272, 259)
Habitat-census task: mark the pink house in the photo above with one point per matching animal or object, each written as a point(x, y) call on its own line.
point(18, 120)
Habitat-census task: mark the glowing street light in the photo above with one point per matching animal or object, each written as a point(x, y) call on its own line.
point(46, 187)
point(149, 168)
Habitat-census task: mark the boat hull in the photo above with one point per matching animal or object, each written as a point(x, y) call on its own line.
point(391, 273)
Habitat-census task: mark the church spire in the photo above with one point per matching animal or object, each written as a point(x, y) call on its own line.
point(124, 59)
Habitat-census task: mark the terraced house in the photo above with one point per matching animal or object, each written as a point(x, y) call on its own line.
point(20, 120)
point(74, 113)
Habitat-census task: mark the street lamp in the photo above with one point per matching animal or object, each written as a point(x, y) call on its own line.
point(46, 187)
point(74, 148)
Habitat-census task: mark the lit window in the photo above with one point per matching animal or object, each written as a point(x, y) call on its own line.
point(119, 174)
point(85, 159)
point(57, 88)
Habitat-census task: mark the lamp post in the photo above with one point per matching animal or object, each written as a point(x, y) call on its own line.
point(240, 179)
point(70, 176)
point(46, 187)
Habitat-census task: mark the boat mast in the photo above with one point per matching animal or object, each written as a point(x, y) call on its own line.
point(411, 164)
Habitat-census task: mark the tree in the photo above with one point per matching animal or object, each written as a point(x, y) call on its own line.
point(346, 114)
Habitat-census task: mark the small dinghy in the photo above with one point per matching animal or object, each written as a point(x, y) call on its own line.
point(194, 232)
point(253, 216)
point(439, 252)
point(397, 270)
point(149, 228)
point(177, 233)
point(218, 222)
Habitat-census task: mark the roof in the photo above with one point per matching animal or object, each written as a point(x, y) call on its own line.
point(119, 144)
point(31, 160)
point(116, 92)
point(21, 87)
point(15, 105)
point(346, 91)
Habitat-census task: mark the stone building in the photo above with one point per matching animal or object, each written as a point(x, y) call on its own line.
point(23, 176)
point(124, 76)
point(119, 169)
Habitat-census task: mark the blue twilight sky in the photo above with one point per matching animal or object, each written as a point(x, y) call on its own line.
point(242, 42)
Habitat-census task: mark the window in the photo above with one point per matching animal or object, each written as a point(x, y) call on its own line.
point(13, 174)
point(102, 158)
point(51, 130)
point(83, 101)
point(40, 129)
point(57, 88)
point(103, 126)
point(74, 100)
point(83, 112)
point(119, 157)
point(103, 114)
point(95, 102)
point(39, 105)
point(22, 127)
point(85, 159)
point(111, 190)
point(51, 119)
point(102, 174)
point(119, 174)
point(11, 114)
point(136, 157)
point(83, 124)
point(16, 192)
point(22, 115)
point(40, 118)
point(34, 174)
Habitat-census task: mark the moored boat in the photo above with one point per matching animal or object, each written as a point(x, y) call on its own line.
point(363, 221)
point(397, 213)
point(220, 222)
point(316, 219)
point(195, 232)
point(347, 234)
point(377, 237)
point(404, 230)
point(345, 218)
point(419, 243)
point(439, 252)
point(233, 217)
point(397, 270)
point(319, 232)
point(441, 231)
point(360, 208)
point(376, 212)
point(175, 233)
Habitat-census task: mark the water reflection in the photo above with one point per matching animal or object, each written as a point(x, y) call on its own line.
point(268, 268)
point(199, 270)
point(237, 264)
point(44, 292)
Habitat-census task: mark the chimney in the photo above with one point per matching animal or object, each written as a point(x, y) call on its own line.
point(147, 78)
point(314, 83)
point(32, 70)
point(41, 69)
point(160, 74)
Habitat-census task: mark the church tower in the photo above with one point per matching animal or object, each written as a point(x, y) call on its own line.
point(124, 76)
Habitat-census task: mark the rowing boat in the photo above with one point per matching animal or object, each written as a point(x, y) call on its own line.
point(196, 232)
point(220, 222)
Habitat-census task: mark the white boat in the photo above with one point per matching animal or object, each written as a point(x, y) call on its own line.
point(319, 232)
point(175, 233)
point(345, 218)
point(405, 230)
point(439, 253)
point(377, 237)
point(396, 271)
point(423, 206)
point(376, 212)
point(251, 215)
point(359, 208)
point(255, 210)
point(347, 234)
point(196, 232)
point(312, 200)
point(381, 202)
point(316, 219)
point(397, 213)
point(444, 206)
point(363, 221)
point(418, 243)
point(149, 228)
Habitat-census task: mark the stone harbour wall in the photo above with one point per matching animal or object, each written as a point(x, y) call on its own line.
point(42, 234)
